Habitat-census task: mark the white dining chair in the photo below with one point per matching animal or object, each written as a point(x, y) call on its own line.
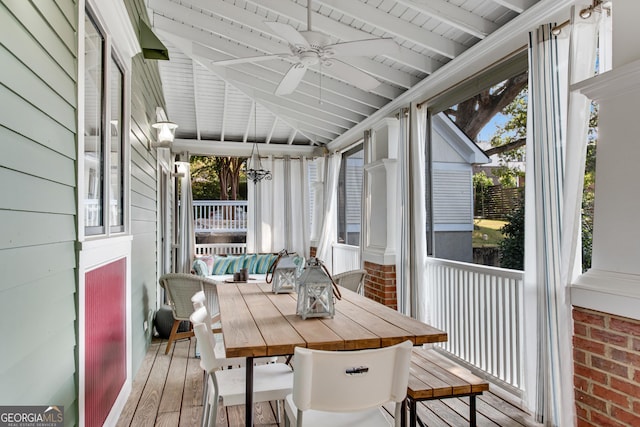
point(348, 388)
point(271, 382)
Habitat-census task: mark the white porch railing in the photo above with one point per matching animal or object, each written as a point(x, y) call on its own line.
point(345, 258)
point(221, 216)
point(481, 309)
point(220, 248)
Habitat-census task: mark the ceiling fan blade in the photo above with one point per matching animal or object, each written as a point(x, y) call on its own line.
point(351, 74)
point(251, 59)
point(287, 32)
point(370, 47)
point(290, 81)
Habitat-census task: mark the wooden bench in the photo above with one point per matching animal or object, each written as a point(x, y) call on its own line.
point(432, 376)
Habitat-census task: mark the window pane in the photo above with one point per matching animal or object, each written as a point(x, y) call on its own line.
point(350, 197)
point(93, 153)
point(116, 182)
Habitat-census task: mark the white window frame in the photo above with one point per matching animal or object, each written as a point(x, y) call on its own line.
point(99, 250)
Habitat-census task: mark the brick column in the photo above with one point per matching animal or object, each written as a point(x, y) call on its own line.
point(606, 357)
point(380, 284)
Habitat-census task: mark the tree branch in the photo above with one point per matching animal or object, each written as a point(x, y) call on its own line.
point(506, 147)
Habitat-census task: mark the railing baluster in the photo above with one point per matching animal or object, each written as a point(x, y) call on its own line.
point(481, 308)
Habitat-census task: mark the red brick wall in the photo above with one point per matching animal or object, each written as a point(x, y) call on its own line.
point(380, 284)
point(606, 354)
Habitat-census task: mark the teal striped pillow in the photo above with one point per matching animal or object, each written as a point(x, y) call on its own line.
point(236, 262)
point(263, 262)
point(249, 263)
point(220, 265)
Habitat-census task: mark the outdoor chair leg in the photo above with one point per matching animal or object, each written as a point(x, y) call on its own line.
point(172, 335)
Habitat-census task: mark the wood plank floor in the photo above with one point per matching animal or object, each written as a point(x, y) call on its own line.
point(167, 391)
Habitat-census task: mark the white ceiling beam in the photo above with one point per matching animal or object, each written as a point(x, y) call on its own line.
point(292, 113)
point(292, 136)
point(322, 23)
point(235, 76)
point(224, 110)
point(273, 128)
point(320, 116)
point(186, 46)
point(249, 120)
point(219, 148)
point(227, 48)
point(195, 97)
point(259, 43)
point(285, 109)
point(396, 26)
point(453, 15)
point(516, 5)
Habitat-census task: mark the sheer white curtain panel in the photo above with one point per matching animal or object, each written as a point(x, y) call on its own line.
point(330, 217)
point(185, 216)
point(556, 149)
point(411, 227)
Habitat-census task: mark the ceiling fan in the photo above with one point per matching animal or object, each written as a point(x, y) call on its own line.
point(310, 48)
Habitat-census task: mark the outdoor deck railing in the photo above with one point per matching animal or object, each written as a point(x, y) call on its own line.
point(345, 257)
point(221, 216)
point(220, 248)
point(480, 307)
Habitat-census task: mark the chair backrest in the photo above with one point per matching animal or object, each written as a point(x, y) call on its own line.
point(344, 381)
point(199, 299)
point(206, 341)
point(351, 279)
point(180, 287)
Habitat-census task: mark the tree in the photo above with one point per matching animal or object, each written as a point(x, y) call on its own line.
point(228, 169)
point(472, 115)
point(205, 183)
point(216, 178)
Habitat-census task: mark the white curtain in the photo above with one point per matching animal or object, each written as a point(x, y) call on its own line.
point(555, 162)
point(186, 234)
point(329, 229)
point(279, 208)
point(411, 224)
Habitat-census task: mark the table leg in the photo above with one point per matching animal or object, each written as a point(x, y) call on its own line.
point(249, 392)
point(472, 411)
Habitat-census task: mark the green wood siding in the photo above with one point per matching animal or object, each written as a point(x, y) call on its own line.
point(38, 52)
point(38, 127)
point(146, 95)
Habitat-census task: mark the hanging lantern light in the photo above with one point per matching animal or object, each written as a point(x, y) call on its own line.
point(316, 291)
point(282, 273)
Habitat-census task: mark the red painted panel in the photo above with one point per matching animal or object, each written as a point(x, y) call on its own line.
point(105, 339)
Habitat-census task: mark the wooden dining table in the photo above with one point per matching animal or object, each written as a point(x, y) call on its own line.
point(257, 322)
